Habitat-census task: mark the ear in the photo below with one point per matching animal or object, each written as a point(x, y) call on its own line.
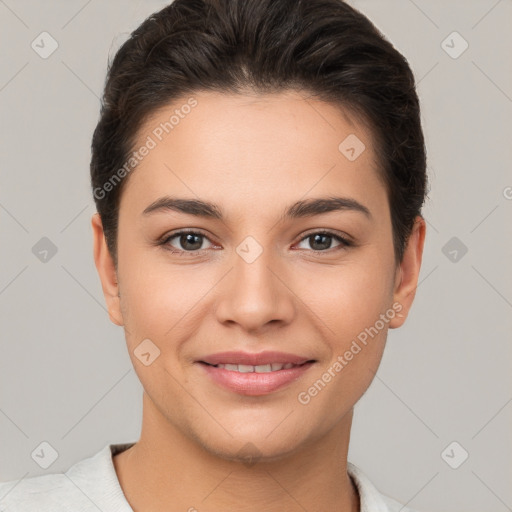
point(407, 274)
point(106, 270)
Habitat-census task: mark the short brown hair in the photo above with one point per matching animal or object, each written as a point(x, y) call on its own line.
point(324, 47)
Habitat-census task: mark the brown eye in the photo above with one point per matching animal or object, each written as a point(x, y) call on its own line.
point(321, 241)
point(186, 241)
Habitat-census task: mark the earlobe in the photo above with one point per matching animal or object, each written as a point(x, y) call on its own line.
point(409, 269)
point(106, 271)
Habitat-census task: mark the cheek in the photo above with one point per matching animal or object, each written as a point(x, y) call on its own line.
point(363, 323)
point(145, 291)
point(155, 301)
point(352, 296)
point(351, 307)
point(164, 301)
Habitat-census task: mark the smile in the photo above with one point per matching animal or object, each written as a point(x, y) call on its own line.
point(262, 368)
point(254, 380)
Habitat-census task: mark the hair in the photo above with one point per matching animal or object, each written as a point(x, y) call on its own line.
point(323, 47)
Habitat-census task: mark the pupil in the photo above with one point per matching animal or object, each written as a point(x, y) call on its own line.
point(188, 238)
point(325, 245)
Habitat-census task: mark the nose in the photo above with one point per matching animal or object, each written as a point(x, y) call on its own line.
point(255, 295)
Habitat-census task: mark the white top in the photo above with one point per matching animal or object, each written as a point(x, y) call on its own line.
point(92, 484)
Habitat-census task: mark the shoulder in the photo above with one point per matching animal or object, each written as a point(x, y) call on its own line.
point(395, 506)
point(43, 493)
point(371, 499)
point(86, 486)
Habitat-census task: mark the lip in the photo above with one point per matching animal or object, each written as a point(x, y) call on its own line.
point(253, 383)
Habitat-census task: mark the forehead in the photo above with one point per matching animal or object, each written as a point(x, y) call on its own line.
point(254, 146)
point(251, 116)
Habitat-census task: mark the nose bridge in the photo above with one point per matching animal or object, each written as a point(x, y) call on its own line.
point(254, 284)
point(254, 296)
point(252, 275)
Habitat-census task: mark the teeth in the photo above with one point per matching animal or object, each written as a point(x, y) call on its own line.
point(262, 368)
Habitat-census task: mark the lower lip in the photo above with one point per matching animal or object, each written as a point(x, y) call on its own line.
point(254, 384)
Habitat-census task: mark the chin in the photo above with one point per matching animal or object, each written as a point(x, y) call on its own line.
point(251, 452)
point(250, 444)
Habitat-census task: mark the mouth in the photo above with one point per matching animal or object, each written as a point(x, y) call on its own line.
point(261, 368)
point(254, 374)
point(258, 359)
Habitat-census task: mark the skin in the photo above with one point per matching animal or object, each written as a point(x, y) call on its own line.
point(252, 156)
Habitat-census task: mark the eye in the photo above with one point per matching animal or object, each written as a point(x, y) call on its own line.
point(190, 241)
point(323, 239)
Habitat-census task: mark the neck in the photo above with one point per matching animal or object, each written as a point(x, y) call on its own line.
point(166, 470)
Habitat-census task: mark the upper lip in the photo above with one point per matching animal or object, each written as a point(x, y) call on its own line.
point(254, 359)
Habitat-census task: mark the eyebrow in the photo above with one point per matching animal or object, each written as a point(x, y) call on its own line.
point(302, 208)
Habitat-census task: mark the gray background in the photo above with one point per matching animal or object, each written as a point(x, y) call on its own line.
point(65, 375)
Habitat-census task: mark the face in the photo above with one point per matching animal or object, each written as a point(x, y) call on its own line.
point(314, 286)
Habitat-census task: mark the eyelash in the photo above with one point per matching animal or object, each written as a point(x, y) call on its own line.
point(165, 242)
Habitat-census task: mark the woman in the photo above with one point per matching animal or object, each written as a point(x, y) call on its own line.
point(259, 170)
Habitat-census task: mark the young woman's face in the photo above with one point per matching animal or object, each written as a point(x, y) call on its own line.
point(251, 279)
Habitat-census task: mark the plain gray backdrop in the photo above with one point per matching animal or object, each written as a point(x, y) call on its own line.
point(65, 375)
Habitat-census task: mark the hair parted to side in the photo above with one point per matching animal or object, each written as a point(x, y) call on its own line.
point(325, 48)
